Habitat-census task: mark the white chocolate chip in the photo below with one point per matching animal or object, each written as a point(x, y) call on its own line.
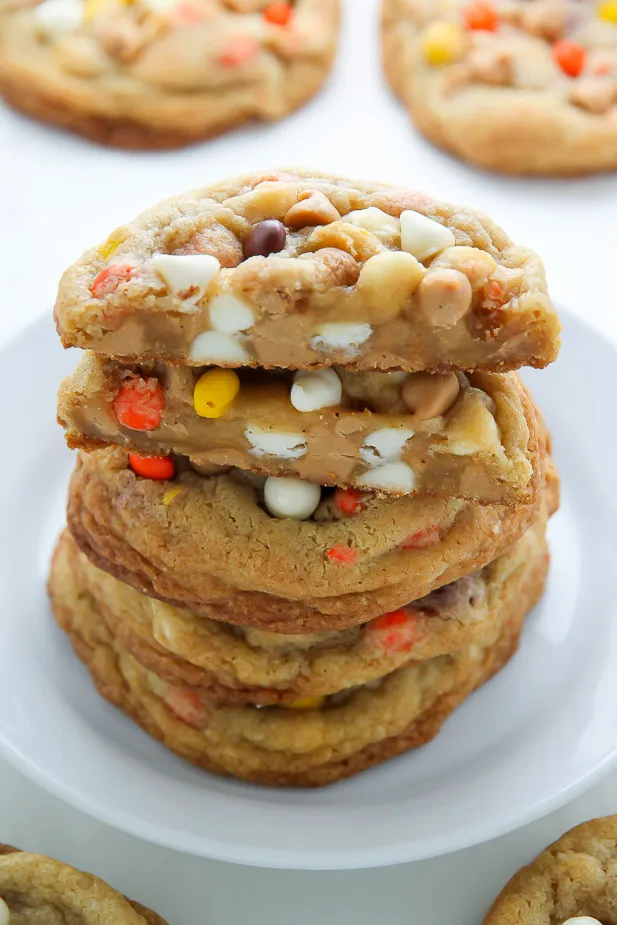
point(293, 498)
point(385, 445)
point(187, 275)
point(55, 17)
point(271, 443)
point(341, 336)
point(316, 389)
point(394, 476)
point(214, 347)
point(5, 913)
point(423, 237)
point(582, 920)
point(230, 315)
point(375, 220)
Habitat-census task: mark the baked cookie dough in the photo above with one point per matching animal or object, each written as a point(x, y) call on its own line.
point(297, 271)
point(208, 544)
point(574, 879)
point(35, 889)
point(518, 86)
point(473, 437)
point(238, 664)
point(347, 733)
point(163, 73)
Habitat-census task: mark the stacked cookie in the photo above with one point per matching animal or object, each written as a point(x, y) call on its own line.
point(308, 514)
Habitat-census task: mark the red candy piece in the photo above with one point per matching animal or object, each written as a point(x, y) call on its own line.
point(157, 468)
point(395, 632)
point(494, 295)
point(278, 13)
point(570, 57)
point(139, 404)
point(422, 539)
point(186, 704)
point(110, 278)
point(239, 51)
point(479, 15)
point(343, 554)
point(349, 501)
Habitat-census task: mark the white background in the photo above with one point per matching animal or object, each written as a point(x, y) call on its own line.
point(59, 195)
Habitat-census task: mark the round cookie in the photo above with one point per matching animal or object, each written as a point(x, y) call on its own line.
point(348, 733)
point(228, 664)
point(211, 546)
point(517, 86)
point(292, 270)
point(574, 878)
point(36, 888)
point(473, 437)
point(163, 73)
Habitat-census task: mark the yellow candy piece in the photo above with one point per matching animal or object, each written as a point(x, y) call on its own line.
point(608, 11)
point(307, 703)
point(114, 241)
point(214, 392)
point(442, 43)
point(169, 496)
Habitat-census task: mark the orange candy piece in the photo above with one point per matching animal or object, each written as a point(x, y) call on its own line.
point(482, 16)
point(157, 468)
point(394, 632)
point(186, 704)
point(349, 500)
point(239, 51)
point(278, 13)
point(343, 554)
point(422, 539)
point(110, 278)
point(139, 404)
point(570, 56)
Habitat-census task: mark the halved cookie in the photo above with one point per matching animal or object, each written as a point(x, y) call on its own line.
point(294, 270)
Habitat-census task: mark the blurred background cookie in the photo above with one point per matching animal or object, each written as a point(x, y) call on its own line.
point(163, 73)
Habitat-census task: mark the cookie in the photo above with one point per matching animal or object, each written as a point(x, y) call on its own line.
point(292, 270)
point(575, 878)
point(150, 74)
point(472, 437)
point(236, 664)
point(206, 543)
point(35, 889)
point(311, 746)
point(518, 86)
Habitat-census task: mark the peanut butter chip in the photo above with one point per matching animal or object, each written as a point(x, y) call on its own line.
point(313, 208)
point(429, 395)
point(444, 296)
point(5, 913)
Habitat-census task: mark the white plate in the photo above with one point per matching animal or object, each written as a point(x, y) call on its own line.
point(541, 732)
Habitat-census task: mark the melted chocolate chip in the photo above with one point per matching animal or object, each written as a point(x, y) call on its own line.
point(266, 238)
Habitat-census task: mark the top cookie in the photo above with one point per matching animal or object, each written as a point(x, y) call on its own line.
point(36, 889)
point(163, 73)
point(291, 270)
point(575, 878)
